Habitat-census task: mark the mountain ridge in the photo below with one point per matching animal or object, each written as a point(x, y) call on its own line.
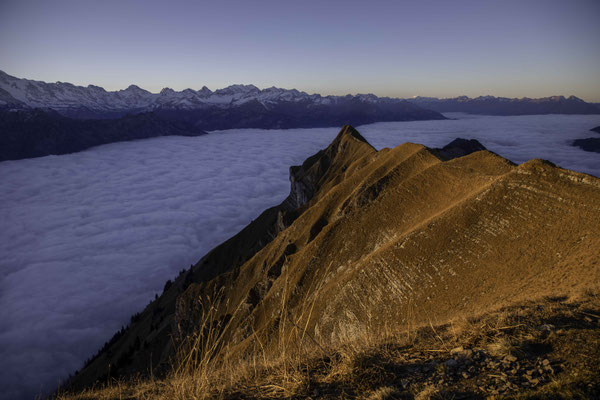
point(491, 105)
point(93, 101)
point(372, 240)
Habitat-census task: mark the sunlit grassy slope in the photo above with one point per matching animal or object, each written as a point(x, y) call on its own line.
point(365, 279)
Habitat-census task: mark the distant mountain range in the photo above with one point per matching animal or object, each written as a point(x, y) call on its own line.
point(246, 106)
point(236, 106)
point(490, 105)
point(39, 118)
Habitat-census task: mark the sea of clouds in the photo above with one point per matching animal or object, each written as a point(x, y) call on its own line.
point(87, 239)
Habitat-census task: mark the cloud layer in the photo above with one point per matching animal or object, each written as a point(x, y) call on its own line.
point(88, 238)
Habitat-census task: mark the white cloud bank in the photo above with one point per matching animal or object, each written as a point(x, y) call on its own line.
point(88, 238)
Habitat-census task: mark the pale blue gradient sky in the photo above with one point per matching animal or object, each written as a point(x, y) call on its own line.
point(395, 48)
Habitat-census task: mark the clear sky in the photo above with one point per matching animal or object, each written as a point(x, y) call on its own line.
point(393, 48)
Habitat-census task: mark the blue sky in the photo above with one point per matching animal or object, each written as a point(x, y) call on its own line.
point(392, 48)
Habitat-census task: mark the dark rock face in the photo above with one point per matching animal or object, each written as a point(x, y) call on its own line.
point(588, 144)
point(37, 133)
point(489, 105)
point(596, 129)
point(460, 147)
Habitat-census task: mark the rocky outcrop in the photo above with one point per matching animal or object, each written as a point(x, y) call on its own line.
point(309, 177)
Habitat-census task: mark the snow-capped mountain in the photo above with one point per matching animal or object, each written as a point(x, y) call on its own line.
point(236, 106)
point(95, 102)
point(39, 118)
point(72, 100)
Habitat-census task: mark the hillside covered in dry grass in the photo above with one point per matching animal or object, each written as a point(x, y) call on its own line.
point(400, 273)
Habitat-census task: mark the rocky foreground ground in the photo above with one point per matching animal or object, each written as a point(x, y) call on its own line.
point(548, 349)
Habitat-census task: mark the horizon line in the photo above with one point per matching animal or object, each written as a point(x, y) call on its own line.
point(83, 85)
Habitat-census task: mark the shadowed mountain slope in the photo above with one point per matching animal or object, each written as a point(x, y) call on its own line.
point(38, 133)
point(372, 241)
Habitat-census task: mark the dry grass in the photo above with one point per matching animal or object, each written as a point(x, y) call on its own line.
point(501, 347)
point(376, 366)
point(426, 393)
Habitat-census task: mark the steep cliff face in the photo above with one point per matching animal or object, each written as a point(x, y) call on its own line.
point(373, 240)
point(325, 167)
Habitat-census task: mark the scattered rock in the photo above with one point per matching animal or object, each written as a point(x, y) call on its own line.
point(451, 363)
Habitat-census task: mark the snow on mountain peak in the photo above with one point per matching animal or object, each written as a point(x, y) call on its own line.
point(65, 96)
point(237, 89)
